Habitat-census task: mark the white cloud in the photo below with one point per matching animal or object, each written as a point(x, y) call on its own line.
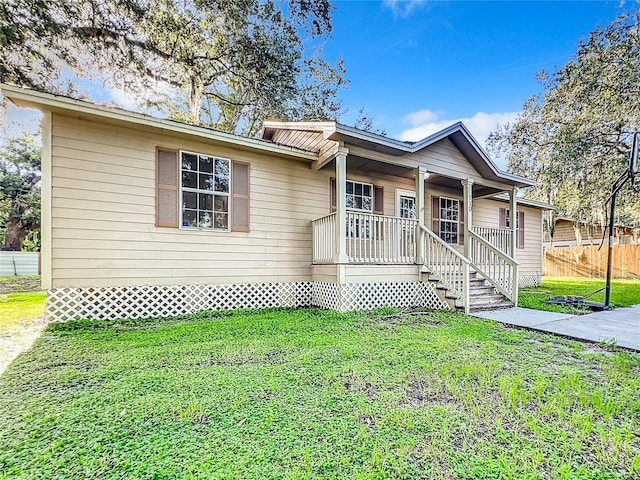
point(403, 8)
point(480, 125)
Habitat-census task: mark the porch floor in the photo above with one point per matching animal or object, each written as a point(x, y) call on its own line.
point(620, 326)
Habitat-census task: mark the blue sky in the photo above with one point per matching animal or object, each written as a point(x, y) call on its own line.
point(418, 66)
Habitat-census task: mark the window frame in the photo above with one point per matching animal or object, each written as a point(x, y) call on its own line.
point(441, 231)
point(371, 196)
point(507, 216)
point(198, 191)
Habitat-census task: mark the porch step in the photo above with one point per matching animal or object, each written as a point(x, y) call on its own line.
point(491, 306)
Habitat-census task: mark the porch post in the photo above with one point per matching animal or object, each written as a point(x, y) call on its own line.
point(421, 175)
point(513, 218)
point(467, 195)
point(341, 207)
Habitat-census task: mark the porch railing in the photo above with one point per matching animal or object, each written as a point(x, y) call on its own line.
point(498, 237)
point(450, 266)
point(324, 238)
point(498, 268)
point(380, 239)
point(370, 238)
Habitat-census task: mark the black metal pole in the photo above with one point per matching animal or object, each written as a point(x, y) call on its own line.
point(607, 297)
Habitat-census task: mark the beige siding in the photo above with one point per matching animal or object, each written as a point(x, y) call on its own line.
point(103, 210)
point(486, 214)
point(381, 273)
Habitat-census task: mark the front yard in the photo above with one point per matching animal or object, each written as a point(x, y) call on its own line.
point(624, 293)
point(317, 394)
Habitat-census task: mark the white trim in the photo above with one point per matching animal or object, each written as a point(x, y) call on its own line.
point(46, 202)
point(360, 210)
point(404, 193)
point(457, 222)
point(198, 191)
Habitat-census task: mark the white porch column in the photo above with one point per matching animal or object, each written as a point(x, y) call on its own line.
point(467, 195)
point(421, 176)
point(341, 206)
point(513, 218)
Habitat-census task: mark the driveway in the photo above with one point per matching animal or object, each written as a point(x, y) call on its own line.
point(620, 326)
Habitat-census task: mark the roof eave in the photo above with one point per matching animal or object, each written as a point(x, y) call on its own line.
point(47, 101)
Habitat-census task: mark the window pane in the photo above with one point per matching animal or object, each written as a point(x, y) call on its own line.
point(206, 182)
point(206, 201)
point(189, 179)
point(206, 164)
point(366, 190)
point(222, 184)
point(350, 201)
point(221, 220)
point(205, 219)
point(189, 161)
point(349, 187)
point(190, 200)
point(366, 203)
point(189, 218)
point(358, 188)
point(221, 204)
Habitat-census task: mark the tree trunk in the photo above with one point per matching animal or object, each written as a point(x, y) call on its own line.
point(14, 235)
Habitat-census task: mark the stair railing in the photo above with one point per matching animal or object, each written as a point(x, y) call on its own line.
point(495, 266)
point(449, 265)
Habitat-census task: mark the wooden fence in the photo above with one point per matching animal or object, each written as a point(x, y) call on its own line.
point(587, 261)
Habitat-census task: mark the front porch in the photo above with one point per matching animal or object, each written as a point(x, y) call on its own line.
point(382, 249)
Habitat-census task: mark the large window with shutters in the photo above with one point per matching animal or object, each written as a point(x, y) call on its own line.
point(201, 191)
point(205, 182)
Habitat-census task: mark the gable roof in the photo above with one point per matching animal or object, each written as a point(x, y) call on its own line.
point(457, 133)
point(48, 102)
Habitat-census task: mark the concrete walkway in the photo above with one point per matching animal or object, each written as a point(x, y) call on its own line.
point(620, 326)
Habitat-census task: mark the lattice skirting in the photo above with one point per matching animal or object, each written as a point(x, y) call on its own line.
point(534, 280)
point(167, 301)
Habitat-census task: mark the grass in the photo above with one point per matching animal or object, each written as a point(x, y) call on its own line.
point(18, 308)
point(301, 394)
point(20, 283)
point(624, 293)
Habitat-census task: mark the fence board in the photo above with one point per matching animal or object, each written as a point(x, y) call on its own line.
point(588, 261)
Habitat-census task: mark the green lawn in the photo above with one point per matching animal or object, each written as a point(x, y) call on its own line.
point(315, 394)
point(624, 293)
point(16, 309)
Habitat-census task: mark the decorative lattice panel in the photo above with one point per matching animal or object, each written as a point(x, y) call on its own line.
point(166, 301)
point(530, 280)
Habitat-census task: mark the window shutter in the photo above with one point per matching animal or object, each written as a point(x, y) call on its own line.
point(503, 218)
point(333, 206)
point(167, 190)
point(521, 229)
point(435, 215)
point(239, 197)
point(461, 225)
point(378, 200)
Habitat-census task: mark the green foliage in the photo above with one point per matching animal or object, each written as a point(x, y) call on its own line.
point(317, 394)
point(624, 293)
point(221, 64)
point(19, 190)
point(574, 138)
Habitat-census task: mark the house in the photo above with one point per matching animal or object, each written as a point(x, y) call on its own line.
point(150, 217)
point(568, 232)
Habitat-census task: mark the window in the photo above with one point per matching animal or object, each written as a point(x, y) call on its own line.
point(507, 222)
point(359, 196)
point(449, 220)
point(205, 182)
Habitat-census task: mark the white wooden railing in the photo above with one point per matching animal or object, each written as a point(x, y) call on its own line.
point(449, 265)
point(324, 238)
point(370, 239)
point(498, 237)
point(380, 239)
point(498, 268)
